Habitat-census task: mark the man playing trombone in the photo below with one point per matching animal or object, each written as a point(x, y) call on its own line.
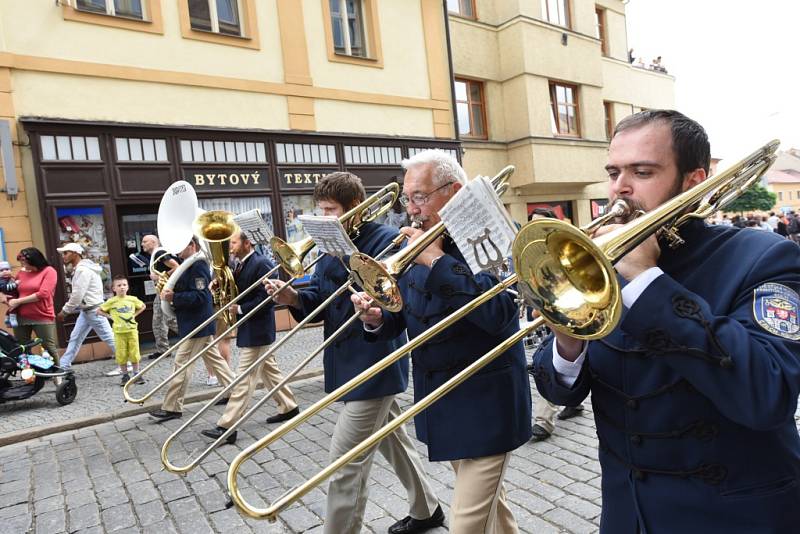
point(253, 337)
point(193, 305)
point(477, 425)
point(694, 393)
point(372, 404)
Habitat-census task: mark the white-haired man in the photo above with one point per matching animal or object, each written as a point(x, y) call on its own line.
point(478, 424)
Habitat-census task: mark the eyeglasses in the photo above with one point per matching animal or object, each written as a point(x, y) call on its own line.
point(419, 199)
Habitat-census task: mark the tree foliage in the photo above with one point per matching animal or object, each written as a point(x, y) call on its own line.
point(757, 198)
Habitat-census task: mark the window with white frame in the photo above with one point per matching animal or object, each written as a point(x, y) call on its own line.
point(134, 149)
point(373, 155)
point(70, 148)
point(133, 9)
point(305, 153)
point(556, 12)
point(413, 151)
point(349, 28)
point(202, 151)
point(217, 16)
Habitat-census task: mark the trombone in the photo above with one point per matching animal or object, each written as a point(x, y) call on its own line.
point(290, 258)
point(347, 286)
point(555, 264)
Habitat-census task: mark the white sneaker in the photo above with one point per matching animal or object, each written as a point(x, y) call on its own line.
point(212, 381)
point(58, 380)
point(114, 372)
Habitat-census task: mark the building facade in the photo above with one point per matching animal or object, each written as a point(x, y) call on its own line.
point(783, 179)
point(251, 101)
point(540, 84)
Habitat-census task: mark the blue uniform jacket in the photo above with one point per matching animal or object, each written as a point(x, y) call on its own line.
point(258, 330)
point(489, 413)
point(694, 396)
point(351, 354)
point(192, 300)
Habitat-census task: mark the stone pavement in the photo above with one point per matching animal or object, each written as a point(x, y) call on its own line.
point(108, 478)
point(100, 396)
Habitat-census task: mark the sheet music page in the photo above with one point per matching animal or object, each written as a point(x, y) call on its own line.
point(253, 224)
point(479, 225)
point(329, 234)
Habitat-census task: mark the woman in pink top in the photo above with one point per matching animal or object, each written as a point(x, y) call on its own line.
point(34, 306)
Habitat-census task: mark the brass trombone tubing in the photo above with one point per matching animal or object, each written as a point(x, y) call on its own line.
point(271, 512)
point(169, 466)
point(214, 342)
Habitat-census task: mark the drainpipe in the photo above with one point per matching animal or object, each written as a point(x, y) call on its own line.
point(450, 66)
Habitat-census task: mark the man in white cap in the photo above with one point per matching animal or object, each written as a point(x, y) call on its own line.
point(85, 298)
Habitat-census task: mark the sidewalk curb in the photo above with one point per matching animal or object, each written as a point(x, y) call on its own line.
point(128, 411)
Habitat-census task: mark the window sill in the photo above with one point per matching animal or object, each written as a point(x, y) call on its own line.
point(356, 60)
point(222, 38)
point(153, 25)
point(470, 137)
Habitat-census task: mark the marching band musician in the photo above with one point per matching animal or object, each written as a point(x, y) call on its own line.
point(694, 393)
point(373, 404)
point(253, 337)
point(193, 305)
point(478, 424)
point(162, 324)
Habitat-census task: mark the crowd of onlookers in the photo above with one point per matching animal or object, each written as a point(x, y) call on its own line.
point(785, 224)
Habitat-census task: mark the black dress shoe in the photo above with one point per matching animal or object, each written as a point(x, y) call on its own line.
point(215, 434)
point(222, 402)
point(281, 417)
point(409, 525)
point(154, 355)
point(539, 433)
point(164, 415)
point(570, 411)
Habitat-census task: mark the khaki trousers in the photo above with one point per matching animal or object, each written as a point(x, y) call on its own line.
point(243, 391)
point(162, 325)
point(347, 492)
point(479, 499)
point(544, 413)
point(173, 401)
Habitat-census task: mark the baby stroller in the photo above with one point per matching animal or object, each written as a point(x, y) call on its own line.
point(34, 370)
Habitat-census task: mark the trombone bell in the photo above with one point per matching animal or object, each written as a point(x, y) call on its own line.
point(291, 256)
point(567, 278)
point(376, 280)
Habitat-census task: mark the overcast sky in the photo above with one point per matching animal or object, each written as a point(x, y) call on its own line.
point(736, 64)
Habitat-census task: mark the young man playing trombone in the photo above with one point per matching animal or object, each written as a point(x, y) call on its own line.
point(193, 305)
point(476, 426)
point(694, 392)
point(253, 338)
point(372, 404)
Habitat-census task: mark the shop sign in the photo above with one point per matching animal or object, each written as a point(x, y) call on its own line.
point(227, 179)
point(302, 178)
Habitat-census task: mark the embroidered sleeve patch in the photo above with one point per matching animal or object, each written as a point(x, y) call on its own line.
point(776, 308)
point(200, 283)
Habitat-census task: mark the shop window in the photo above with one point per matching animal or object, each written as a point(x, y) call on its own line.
point(132, 149)
point(471, 109)
point(556, 12)
point(241, 205)
point(201, 151)
point(133, 9)
point(86, 226)
point(464, 8)
point(70, 148)
point(133, 228)
point(293, 207)
point(562, 208)
point(600, 28)
point(564, 109)
point(305, 153)
point(413, 151)
point(373, 155)
point(599, 207)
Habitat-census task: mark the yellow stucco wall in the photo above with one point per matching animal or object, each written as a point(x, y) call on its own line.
point(791, 195)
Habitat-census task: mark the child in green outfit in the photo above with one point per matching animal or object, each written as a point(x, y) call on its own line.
point(123, 309)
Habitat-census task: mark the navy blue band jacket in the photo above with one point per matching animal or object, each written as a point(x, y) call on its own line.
point(489, 413)
point(258, 330)
point(351, 354)
point(192, 300)
point(695, 392)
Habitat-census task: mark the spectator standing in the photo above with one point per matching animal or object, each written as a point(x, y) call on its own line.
point(86, 297)
point(123, 309)
point(793, 226)
point(773, 221)
point(36, 283)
